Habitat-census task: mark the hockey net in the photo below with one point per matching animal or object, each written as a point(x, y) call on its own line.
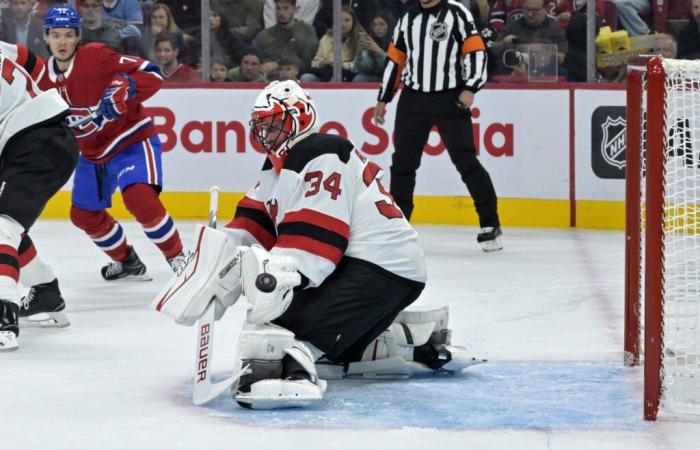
point(662, 260)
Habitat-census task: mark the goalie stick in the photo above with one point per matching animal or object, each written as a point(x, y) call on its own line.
point(203, 390)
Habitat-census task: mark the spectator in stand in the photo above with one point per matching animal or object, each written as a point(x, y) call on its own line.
point(288, 37)
point(187, 14)
point(124, 15)
point(364, 11)
point(289, 68)
point(250, 70)
point(534, 27)
point(629, 12)
point(219, 69)
point(21, 27)
point(306, 11)
point(689, 36)
point(564, 9)
point(666, 46)
point(146, 6)
point(243, 16)
point(166, 52)
point(92, 29)
point(504, 12)
point(160, 19)
point(370, 62)
point(322, 64)
point(221, 40)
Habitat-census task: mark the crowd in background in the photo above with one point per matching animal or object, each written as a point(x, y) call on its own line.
point(264, 40)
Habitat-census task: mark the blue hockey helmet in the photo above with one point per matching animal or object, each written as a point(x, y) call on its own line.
point(63, 16)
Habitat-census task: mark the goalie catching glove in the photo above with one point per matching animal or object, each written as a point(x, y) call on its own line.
point(113, 102)
point(268, 283)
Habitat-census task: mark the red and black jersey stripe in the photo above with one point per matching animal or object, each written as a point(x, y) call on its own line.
point(252, 216)
point(314, 232)
point(9, 266)
point(29, 61)
point(26, 250)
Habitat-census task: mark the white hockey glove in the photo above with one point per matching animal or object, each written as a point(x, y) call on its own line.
point(268, 282)
point(213, 272)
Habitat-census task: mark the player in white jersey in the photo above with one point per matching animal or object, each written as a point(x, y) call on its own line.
point(326, 261)
point(37, 156)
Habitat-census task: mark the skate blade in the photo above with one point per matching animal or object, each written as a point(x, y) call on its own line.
point(8, 341)
point(144, 277)
point(492, 246)
point(45, 320)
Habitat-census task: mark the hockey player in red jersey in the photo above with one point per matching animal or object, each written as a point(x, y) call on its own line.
point(326, 261)
point(37, 156)
point(118, 144)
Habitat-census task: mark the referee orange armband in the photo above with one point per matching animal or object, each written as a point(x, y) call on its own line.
point(473, 44)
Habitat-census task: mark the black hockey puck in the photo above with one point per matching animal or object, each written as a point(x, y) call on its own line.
point(265, 282)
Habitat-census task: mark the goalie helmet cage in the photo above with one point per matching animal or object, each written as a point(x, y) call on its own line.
point(662, 247)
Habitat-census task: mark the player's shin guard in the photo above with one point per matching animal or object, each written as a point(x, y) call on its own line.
point(10, 232)
point(104, 231)
point(33, 269)
point(143, 203)
point(278, 370)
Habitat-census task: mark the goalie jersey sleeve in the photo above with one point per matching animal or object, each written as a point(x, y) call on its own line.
point(328, 203)
point(22, 104)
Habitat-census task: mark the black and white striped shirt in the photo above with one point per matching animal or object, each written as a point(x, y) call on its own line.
point(435, 49)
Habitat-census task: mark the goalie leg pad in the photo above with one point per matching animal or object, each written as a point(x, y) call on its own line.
point(212, 272)
point(416, 343)
point(281, 370)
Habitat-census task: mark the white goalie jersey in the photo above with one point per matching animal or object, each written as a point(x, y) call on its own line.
point(328, 202)
point(22, 104)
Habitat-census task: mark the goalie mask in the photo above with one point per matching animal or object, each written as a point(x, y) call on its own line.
point(283, 114)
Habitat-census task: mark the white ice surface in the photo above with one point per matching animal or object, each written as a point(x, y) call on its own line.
point(119, 377)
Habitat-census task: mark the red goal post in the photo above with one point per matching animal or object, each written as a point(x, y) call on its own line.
point(662, 249)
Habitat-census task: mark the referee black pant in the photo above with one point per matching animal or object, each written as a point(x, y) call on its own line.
point(417, 113)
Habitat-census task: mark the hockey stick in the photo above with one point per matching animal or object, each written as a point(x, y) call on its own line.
point(204, 390)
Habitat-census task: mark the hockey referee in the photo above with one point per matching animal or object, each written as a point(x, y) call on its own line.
point(438, 54)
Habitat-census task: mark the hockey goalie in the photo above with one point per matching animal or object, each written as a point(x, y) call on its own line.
point(326, 262)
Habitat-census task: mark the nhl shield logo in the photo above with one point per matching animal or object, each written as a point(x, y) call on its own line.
point(614, 142)
point(438, 31)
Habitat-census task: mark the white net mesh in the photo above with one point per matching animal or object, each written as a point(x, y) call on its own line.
point(681, 364)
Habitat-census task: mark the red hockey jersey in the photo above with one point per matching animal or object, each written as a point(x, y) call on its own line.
point(92, 70)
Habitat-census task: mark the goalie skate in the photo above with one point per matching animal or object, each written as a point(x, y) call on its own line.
point(43, 307)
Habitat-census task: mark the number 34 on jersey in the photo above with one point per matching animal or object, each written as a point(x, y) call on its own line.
point(328, 202)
